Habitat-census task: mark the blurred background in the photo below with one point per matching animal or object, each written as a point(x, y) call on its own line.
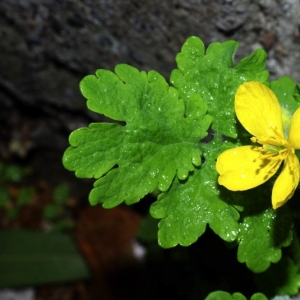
point(46, 48)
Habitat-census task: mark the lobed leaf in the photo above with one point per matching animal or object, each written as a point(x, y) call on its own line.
point(220, 295)
point(212, 75)
point(263, 231)
point(159, 141)
point(188, 206)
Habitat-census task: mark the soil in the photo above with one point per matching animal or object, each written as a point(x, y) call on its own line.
point(48, 46)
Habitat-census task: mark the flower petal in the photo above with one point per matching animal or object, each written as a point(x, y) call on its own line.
point(294, 136)
point(242, 168)
point(258, 110)
point(287, 182)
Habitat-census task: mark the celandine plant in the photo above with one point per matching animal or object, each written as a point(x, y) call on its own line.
point(220, 144)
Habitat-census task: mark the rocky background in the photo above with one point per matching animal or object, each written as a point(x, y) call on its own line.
point(48, 46)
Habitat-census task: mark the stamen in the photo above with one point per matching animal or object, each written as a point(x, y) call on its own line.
point(279, 142)
point(270, 156)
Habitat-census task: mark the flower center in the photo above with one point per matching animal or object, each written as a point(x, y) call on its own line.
point(273, 148)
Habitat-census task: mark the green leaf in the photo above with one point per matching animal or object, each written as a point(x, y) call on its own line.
point(159, 141)
point(212, 75)
point(263, 231)
point(189, 205)
point(297, 93)
point(32, 258)
point(284, 88)
point(282, 278)
point(220, 295)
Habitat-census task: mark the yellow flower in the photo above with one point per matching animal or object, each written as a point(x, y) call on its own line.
point(246, 167)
